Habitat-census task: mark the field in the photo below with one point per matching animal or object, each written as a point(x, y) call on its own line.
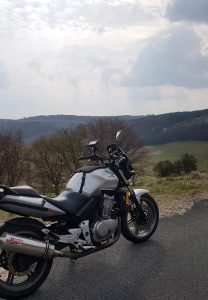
point(173, 151)
point(176, 194)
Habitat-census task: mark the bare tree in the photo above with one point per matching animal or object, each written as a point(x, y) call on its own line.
point(48, 162)
point(11, 157)
point(105, 130)
point(70, 142)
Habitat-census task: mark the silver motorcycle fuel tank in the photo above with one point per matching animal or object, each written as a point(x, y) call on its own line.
point(99, 179)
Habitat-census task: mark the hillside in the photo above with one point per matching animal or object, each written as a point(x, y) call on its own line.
point(34, 127)
point(152, 129)
point(172, 127)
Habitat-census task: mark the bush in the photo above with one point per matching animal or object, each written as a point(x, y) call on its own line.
point(186, 164)
point(164, 168)
point(178, 167)
point(189, 163)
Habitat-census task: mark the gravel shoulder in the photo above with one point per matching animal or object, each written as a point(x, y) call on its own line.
point(178, 205)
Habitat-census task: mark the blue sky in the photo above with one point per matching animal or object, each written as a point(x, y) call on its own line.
point(96, 57)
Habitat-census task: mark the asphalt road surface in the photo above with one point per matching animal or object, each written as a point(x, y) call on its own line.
point(173, 264)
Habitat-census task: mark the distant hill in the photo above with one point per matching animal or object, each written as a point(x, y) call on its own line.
point(172, 127)
point(34, 127)
point(152, 129)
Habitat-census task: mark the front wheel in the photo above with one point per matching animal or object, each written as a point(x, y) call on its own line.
point(21, 275)
point(137, 227)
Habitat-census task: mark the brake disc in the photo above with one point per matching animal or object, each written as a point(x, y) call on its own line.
point(20, 265)
point(146, 221)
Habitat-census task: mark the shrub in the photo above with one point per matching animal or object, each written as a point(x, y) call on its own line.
point(164, 168)
point(186, 164)
point(189, 163)
point(178, 167)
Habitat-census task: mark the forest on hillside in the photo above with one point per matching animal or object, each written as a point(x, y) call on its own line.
point(172, 127)
point(152, 129)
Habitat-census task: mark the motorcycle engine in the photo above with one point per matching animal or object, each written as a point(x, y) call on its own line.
point(104, 228)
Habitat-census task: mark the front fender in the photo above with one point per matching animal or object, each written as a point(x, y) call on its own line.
point(139, 193)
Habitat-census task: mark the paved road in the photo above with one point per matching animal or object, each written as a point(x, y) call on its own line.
point(172, 265)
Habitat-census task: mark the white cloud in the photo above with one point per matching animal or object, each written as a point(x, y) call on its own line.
point(68, 56)
point(172, 58)
point(188, 10)
point(4, 78)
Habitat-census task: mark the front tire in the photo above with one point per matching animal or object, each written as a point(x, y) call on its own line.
point(137, 228)
point(21, 275)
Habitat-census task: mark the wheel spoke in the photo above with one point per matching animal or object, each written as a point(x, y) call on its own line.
point(10, 278)
point(136, 229)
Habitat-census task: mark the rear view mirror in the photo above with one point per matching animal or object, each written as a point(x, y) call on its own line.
point(93, 143)
point(118, 135)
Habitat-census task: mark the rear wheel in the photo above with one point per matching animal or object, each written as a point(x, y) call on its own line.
point(21, 275)
point(137, 227)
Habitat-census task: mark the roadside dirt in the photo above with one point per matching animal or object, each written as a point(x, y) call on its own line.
point(172, 206)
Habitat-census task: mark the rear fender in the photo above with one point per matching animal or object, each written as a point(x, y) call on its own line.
point(23, 221)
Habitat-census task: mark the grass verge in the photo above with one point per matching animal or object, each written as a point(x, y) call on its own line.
point(176, 194)
point(174, 151)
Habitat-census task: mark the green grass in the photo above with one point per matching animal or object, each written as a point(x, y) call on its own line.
point(173, 151)
point(170, 187)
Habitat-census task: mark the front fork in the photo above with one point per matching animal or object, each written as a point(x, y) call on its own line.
point(131, 194)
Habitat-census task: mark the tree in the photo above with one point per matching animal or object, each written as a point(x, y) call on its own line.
point(48, 162)
point(12, 159)
point(164, 168)
point(186, 164)
point(189, 163)
point(70, 142)
point(178, 167)
point(105, 129)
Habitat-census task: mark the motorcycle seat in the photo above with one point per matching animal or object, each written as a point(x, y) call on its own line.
point(26, 191)
point(70, 202)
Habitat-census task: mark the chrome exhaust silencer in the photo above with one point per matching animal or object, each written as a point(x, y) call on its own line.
point(19, 244)
point(36, 248)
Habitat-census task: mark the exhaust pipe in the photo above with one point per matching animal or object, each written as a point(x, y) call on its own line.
point(19, 244)
point(36, 248)
point(45, 250)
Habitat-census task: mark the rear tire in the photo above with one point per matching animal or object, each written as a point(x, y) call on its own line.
point(14, 264)
point(135, 228)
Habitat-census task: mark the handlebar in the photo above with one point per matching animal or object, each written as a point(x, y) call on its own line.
point(117, 160)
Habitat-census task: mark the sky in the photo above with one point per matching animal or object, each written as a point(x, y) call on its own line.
point(102, 57)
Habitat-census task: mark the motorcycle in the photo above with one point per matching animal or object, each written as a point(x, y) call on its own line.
point(97, 205)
